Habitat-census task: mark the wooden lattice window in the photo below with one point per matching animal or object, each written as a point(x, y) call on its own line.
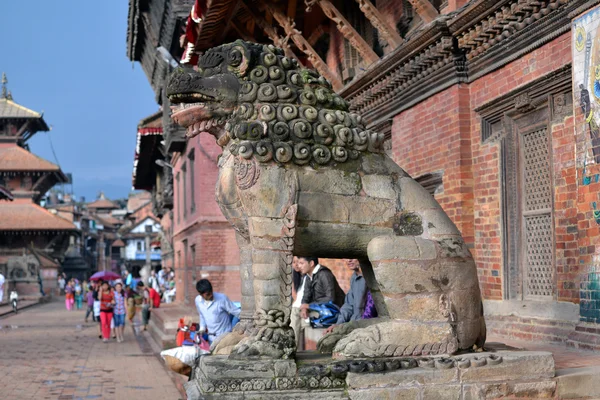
point(537, 213)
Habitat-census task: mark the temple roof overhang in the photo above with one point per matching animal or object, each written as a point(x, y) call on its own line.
point(147, 151)
point(30, 217)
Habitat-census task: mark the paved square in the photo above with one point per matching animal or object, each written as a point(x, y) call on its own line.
point(47, 352)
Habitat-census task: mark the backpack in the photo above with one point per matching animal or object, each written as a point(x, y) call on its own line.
point(328, 314)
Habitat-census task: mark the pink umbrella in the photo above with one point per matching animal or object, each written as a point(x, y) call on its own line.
point(105, 276)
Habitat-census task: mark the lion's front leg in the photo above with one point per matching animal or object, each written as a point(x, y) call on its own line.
point(272, 213)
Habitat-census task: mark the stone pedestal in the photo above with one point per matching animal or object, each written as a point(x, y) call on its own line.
point(521, 374)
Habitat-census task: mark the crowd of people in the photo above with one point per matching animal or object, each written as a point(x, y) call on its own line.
point(111, 303)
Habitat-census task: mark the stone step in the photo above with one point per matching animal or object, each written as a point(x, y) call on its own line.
point(578, 383)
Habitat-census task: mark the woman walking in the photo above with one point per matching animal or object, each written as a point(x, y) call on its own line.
point(119, 312)
point(107, 303)
point(69, 295)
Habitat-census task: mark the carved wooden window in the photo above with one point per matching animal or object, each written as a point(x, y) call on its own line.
point(537, 213)
point(192, 162)
point(178, 196)
point(519, 123)
point(184, 194)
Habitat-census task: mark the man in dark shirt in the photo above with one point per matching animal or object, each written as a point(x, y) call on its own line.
point(320, 285)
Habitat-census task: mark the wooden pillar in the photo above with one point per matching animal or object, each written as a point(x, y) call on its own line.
point(425, 9)
point(348, 31)
point(386, 31)
point(290, 30)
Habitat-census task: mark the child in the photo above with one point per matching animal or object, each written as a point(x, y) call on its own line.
point(69, 296)
point(90, 304)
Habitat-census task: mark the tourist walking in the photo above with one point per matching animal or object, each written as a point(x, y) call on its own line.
point(107, 303)
point(146, 304)
point(69, 295)
point(119, 311)
point(89, 297)
point(78, 295)
point(2, 280)
point(61, 284)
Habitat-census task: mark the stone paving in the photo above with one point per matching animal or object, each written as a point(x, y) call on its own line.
point(564, 357)
point(47, 352)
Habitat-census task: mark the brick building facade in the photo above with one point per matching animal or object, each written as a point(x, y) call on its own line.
point(478, 104)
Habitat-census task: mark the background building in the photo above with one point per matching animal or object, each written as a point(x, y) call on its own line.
point(476, 100)
point(32, 239)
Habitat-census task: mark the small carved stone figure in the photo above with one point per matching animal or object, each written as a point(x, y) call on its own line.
point(301, 174)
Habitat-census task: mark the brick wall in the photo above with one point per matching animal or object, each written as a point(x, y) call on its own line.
point(203, 226)
point(443, 133)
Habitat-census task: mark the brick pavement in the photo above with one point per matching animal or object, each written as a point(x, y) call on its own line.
point(47, 352)
point(564, 357)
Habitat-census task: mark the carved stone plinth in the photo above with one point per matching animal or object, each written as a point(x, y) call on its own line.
point(218, 377)
point(472, 375)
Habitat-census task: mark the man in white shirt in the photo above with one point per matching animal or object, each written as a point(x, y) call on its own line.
point(2, 279)
point(215, 310)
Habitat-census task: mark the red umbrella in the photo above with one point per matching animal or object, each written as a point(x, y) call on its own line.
point(105, 276)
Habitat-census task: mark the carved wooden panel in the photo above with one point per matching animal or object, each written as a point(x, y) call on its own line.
point(538, 232)
point(536, 171)
point(540, 279)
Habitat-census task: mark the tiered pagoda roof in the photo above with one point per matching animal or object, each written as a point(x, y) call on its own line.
point(30, 217)
point(16, 121)
point(24, 174)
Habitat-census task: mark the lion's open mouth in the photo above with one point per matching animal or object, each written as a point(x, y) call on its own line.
point(197, 118)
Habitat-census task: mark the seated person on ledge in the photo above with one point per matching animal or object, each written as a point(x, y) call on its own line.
point(320, 285)
point(215, 310)
point(358, 303)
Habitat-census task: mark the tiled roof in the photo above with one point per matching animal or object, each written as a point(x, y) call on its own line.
point(30, 216)
point(138, 200)
point(16, 158)
point(118, 243)
point(102, 203)
point(109, 219)
point(10, 109)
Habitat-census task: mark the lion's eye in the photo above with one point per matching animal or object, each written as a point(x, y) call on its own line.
point(235, 57)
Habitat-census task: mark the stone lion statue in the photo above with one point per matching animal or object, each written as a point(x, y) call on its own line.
point(300, 174)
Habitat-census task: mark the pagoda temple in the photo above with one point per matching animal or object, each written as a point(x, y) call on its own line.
point(32, 239)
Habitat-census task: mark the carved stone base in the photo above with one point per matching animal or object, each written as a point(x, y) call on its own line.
point(505, 373)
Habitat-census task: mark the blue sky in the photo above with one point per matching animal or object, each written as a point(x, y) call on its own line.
point(68, 59)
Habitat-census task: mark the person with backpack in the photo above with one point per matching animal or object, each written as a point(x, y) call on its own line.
point(321, 286)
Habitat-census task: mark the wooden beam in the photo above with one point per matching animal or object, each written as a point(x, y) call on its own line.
point(386, 31)
point(349, 32)
point(291, 10)
point(229, 18)
point(242, 31)
point(425, 9)
point(316, 34)
point(294, 34)
point(271, 32)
